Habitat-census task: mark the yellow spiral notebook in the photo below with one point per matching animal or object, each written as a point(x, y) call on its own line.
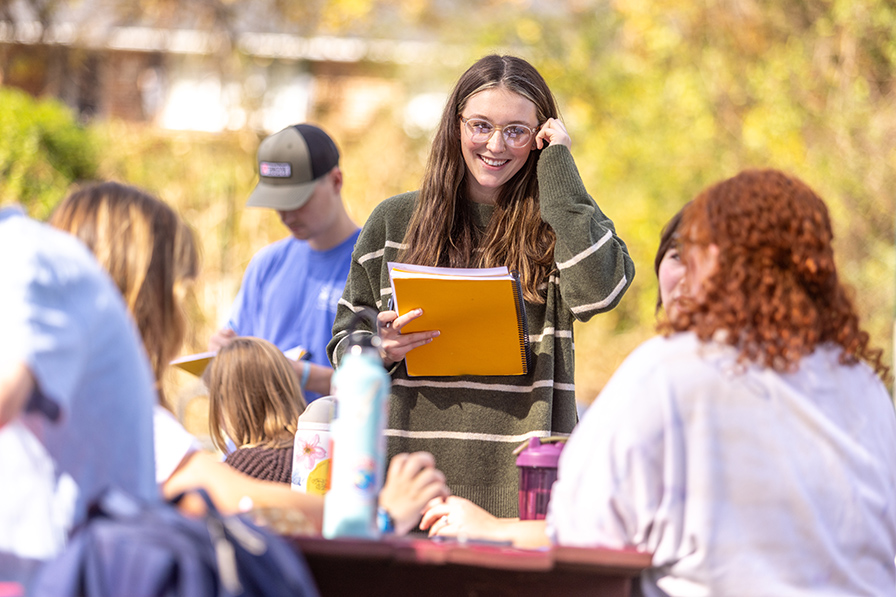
point(479, 313)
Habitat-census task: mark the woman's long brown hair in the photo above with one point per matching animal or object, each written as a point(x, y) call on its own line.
point(442, 232)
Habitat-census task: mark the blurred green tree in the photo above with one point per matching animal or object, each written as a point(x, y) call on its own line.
point(43, 150)
point(666, 96)
point(662, 97)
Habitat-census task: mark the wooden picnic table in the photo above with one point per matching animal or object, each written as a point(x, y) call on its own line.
point(419, 566)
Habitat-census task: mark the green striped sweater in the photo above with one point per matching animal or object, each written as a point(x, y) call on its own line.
point(472, 423)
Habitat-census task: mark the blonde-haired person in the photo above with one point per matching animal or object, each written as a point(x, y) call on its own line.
point(151, 254)
point(501, 188)
point(255, 401)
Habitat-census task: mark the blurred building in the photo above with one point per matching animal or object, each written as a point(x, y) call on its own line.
point(202, 76)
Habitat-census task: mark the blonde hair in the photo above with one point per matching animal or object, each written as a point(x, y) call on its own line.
point(149, 252)
point(254, 395)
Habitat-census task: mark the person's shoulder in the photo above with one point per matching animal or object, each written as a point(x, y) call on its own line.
point(241, 455)
point(33, 239)
point(650, 370)
point(662, 349)
point(396, 206)
point(286, 243)
point(277, 250)
point(261, 462)
point(388, 220)
point(167, 427)
point(46, 256)
point(173, 443)
point(255, 454)
point(825, 363)
point(677, 358)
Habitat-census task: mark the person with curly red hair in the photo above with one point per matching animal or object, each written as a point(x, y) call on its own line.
point(751, 448)
point(775, 294)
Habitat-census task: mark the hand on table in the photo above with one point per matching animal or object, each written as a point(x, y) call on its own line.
point(459, 517)
point(395, 344)
point(412, 481)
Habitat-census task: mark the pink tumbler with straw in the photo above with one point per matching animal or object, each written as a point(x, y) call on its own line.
point(538, 471)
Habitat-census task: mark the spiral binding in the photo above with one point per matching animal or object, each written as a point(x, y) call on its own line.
point(522, 320)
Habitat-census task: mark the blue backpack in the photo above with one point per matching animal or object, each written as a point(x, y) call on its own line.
point(128, 547)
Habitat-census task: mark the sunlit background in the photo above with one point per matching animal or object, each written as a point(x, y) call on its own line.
point(661, 97)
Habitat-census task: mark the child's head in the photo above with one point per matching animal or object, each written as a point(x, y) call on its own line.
point(254, 395)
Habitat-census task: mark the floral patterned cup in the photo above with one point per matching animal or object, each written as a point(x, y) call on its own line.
point(312, 449)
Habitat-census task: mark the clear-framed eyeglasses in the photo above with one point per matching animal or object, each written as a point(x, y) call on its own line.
point(515, 135)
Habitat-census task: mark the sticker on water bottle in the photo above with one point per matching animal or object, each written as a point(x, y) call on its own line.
point(311, 461)
point(364, 475)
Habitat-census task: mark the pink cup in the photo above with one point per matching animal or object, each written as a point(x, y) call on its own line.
point(538, 471)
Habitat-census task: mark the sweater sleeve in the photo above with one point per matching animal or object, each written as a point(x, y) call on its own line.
point(358, 293)
point(593, 264)
point(364, 286)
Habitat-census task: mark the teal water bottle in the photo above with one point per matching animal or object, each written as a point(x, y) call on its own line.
point(361, 387)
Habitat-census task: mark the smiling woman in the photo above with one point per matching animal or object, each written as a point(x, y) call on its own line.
point(500, 189)
point(493, 159)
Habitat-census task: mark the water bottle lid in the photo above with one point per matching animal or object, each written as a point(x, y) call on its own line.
point(540, 455)
point(363, 340)
point(319, 411)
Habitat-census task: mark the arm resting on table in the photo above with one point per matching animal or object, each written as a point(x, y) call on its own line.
point(227, 487)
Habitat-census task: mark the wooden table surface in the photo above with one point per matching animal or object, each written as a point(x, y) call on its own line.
point(417, 566)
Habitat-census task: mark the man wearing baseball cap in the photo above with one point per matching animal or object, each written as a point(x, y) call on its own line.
point(290, 289)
